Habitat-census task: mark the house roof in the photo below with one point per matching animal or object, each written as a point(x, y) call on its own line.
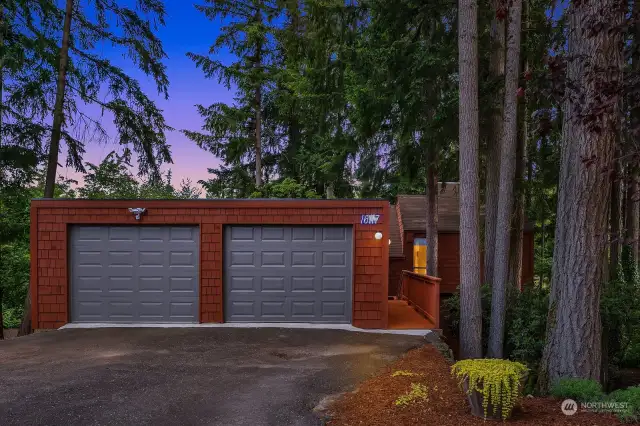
point(395, 248)
point(413, 210)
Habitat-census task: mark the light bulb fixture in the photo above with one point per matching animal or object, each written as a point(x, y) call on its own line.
point(137, 212)
point(378, 235)
point(389, 241)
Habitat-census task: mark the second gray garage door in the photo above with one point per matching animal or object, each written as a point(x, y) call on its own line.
point(288, 274)
point(134, 274)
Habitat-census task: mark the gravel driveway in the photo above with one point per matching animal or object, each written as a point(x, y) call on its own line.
point(185, 376)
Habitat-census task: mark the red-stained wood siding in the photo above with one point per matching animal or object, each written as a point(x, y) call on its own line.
point(50, 220)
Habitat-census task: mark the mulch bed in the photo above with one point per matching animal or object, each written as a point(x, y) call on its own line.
point(373, 403)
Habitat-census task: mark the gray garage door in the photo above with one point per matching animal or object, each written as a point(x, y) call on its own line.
point(288, 274)
point(130, 274)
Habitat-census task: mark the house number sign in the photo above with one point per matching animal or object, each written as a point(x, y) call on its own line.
point(369, 219)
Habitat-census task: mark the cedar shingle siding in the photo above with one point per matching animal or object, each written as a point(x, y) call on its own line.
point(51, 219)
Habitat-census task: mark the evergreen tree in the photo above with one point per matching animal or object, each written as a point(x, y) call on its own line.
point(235, 132)
point(80, 74)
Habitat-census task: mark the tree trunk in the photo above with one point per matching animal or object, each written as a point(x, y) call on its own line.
point(2, 30)
point(470, 308)
point(58, 109)
point(615, 231)
point(632, 212)
point(54, 145)
point(1, 317)
point(432, 211)
point(496, 68)
point(573, 344)
point(257, 64)
point(25, 325)
point(330, 191)
point(632, 209)
point(507, 176)
point(258, 135)
point(517, 228)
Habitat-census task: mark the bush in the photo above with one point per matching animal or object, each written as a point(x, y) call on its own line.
point(526, 325)
point(630, 396)
point(526, 322)
point(452, 312)
point(620, 311)
point(12, 317)
point(581, 390)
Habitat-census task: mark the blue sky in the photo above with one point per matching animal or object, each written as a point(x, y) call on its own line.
point(186, 30)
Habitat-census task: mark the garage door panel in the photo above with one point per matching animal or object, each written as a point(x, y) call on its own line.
point(303, 234)
point(272, 259)
point(337, 309)
point(334, 234)
point(334, 258)
point(182, 235)
point(273, 234)
point(303, 284)
point(242, 284)
point(241, 258)
point(242, 233)
point(307, 277)
point(334, 284)
point(303, 258)
point(272, 284)
point(140, 274)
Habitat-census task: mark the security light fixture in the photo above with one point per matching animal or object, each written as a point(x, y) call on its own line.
point(138, 212)
point(378, 235)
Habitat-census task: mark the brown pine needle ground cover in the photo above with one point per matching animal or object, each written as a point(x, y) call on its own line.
point(374, 402)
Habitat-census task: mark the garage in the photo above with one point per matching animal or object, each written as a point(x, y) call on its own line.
point(134, 274)
point(209, 261)
point(288, 274)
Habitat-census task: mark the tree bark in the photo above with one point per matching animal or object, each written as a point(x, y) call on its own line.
point(632, 209)
point(432, 211)
point(632, 212)
point(258, 118)
point(507, 176)
point(573, 344)
point(494, 139)
point(470, 308)
point(330, 191)
point(517, 228)
point(1, 317)
point(58, 109)
point(615, 230)
point(25, 325)
point(2, 30)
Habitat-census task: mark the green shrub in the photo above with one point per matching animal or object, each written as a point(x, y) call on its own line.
point(452, 312)
point(526, 322)
point(12, 317)
point(581, 390)
point(526, 325)
point(630, 396)
point(620, 312)
point(631, 356)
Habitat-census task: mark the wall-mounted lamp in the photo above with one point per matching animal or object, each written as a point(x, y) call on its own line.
point(138, 211)
point(389, 241)
point(378, 235)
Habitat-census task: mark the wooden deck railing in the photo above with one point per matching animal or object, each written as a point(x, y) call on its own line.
point(423, 292)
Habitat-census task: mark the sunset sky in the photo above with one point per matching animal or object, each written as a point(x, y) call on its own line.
point(186, 30)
